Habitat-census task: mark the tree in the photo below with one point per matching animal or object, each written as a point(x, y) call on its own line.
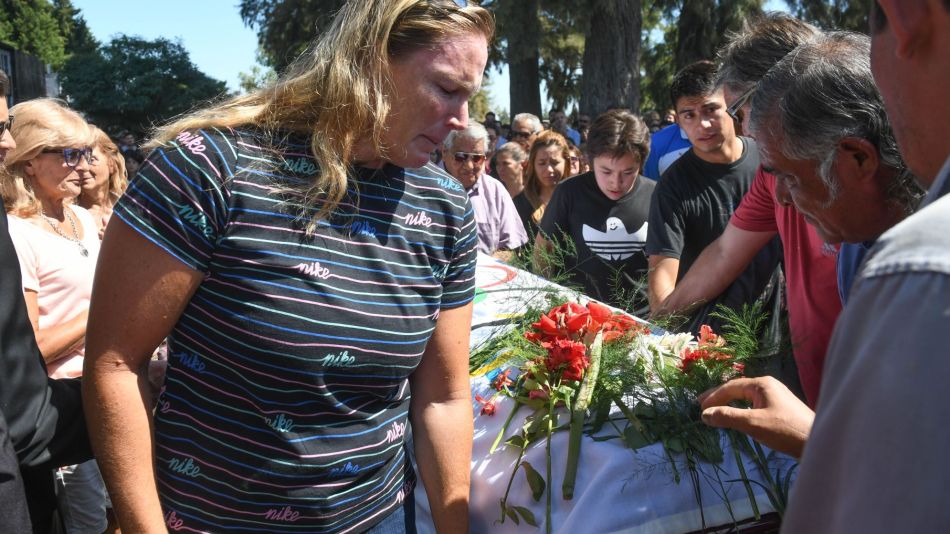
point(563, 27)
point(833, 14)
point(519, 27)
point(692, 30)
point(32, 27)
point(72, 26)
point(611, 66)
point(286, 27)
point(133, 83)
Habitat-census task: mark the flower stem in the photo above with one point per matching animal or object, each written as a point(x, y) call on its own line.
point(504, 500)
point(547, 514)
point(504, 428)
point(581, 402)
point(743, 475)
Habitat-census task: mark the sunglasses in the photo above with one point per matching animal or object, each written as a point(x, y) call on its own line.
point(71, 156)
point(462, 157)
point(734, 110)
point(4, 126)
point(516, 134)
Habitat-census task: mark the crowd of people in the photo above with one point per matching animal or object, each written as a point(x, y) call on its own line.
point(306, 253)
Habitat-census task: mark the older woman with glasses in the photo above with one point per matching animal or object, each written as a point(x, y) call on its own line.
point(106, 179)
point(57, 245)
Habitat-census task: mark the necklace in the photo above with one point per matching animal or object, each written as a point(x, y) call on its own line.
point(54, 224)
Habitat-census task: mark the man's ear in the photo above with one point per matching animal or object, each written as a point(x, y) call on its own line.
point(909, 22)
point(857, 158)
point(28, 168)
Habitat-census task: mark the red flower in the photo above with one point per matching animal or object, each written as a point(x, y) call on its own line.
point(488, 405)
point(502, 380)
point(708, 338)
point(620, 325)
point(569, 357)
point(567, 320)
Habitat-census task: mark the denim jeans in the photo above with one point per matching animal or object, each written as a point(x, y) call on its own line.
point(401, 521)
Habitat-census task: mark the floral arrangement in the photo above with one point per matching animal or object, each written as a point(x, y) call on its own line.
point(584, 368)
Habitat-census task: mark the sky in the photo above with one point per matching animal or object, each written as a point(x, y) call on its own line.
point(211, 31)
point(217, 40)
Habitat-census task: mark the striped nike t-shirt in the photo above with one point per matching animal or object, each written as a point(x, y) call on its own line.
point(286, 400)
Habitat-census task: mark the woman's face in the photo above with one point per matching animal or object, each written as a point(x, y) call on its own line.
point(429, 97)
point(52, 179)
point(99, 171)
point(509, 169)
point(550, 166)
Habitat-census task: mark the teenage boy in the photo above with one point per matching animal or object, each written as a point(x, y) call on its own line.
point(604, 213)
point(693, 203)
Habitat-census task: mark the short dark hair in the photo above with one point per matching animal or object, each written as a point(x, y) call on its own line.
point(755, 48)
point(618, 133)
point(4, 84)
point(695, 79)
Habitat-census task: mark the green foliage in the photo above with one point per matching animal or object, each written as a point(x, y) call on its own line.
point(132, 83)
point(73, 27)
point(833, 14)
point(480, 103)
point(32, 27)
point(257, 78)
point(286, 27)
point(678, 32)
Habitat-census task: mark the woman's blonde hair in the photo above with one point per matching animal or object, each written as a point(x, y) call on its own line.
point(336, 91)
point(41, 123)
point(118, 176)
point(532, 183)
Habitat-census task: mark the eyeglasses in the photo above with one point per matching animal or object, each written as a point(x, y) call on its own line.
point(733, 110)
point(71, 155)
point(516, 134)
point(4, 126)
point(462, 157)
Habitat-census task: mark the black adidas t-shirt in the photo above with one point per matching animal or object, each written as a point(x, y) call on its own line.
point(608, 235)
point(691, 208)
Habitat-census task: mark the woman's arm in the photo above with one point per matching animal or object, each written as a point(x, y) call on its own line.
point(55, 341)
point(139, 293)
point(441, 415)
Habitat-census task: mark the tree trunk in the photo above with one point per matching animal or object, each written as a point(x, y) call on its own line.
point(694, 29)
point(612, 57)
point(524, 39)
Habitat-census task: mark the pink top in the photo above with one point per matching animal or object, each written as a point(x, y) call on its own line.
point(52, 266)
point(813, 302)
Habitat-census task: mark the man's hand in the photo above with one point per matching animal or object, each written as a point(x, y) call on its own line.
point(777, 419)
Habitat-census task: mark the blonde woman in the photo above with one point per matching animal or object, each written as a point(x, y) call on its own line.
point(106, 180)
point(548, 164)
point(313, 273)
point(57, 245)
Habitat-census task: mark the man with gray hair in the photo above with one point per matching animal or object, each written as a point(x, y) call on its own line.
point(874, 451)
point(525, 128)
point(812, 300)
point(499, 227)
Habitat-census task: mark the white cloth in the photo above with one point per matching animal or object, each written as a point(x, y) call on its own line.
point(53, 267)
point(617, 490)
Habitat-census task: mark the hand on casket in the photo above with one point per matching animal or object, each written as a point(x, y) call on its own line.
point(777, 419)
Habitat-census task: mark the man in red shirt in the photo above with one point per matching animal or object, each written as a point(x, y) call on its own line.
point(813, 302)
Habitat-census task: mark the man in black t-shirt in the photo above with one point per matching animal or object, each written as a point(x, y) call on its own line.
point(603, 214)
point(695, 199)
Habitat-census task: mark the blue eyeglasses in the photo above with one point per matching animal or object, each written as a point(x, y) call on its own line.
point(71, 156)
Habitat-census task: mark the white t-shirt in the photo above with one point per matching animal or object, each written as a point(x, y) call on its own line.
point(53, 266)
